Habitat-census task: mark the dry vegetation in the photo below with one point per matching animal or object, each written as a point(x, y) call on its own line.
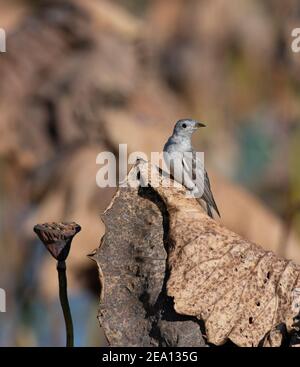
point(82, 77)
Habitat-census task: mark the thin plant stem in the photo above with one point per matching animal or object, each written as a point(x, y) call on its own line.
point(63, 296)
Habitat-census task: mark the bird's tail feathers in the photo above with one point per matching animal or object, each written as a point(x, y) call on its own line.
point(209, 208)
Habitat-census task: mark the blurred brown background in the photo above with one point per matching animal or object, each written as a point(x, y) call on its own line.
point(81, 77)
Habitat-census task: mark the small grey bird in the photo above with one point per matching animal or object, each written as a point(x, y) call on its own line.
point(176, 152)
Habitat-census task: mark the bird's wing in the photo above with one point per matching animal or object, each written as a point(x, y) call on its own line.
point(191, 180)
point(195, 169)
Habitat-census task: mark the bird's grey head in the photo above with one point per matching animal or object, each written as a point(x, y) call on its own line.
point(186, 127)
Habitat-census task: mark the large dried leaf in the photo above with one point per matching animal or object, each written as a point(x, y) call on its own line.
point(242, 292)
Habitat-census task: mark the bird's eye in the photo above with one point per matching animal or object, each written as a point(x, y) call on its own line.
point(184, 126)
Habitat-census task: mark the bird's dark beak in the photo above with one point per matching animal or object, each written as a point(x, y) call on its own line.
point(199, 124)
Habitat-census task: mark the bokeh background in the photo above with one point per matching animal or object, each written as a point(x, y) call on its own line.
point(81, 77)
